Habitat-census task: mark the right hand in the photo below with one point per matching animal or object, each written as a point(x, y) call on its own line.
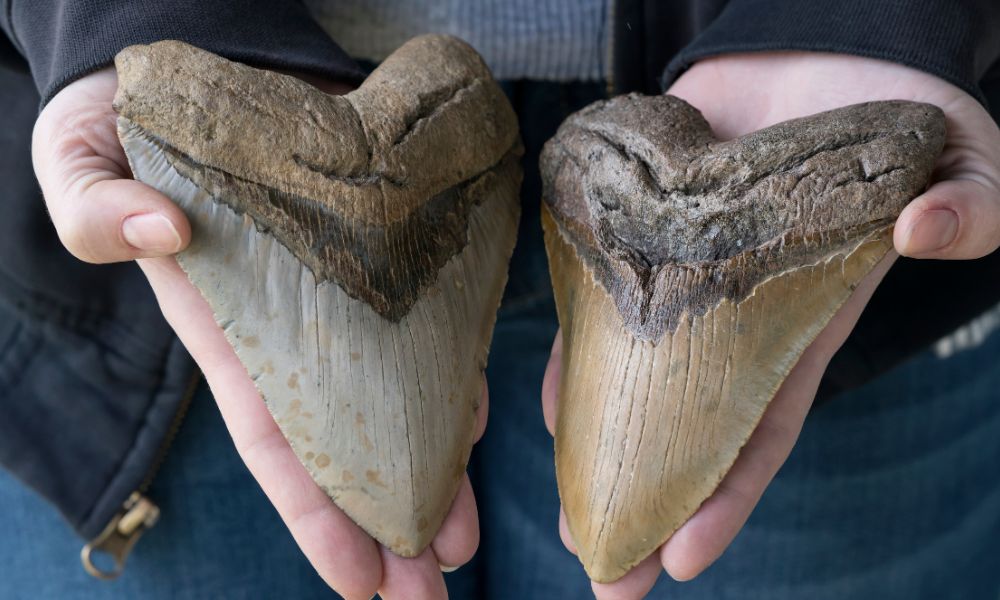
point(102, 215)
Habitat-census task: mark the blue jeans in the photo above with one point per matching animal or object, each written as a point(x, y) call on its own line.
point(893, 490)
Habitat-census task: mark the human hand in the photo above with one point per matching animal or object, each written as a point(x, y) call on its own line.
point(101, 216)
point(957, 217)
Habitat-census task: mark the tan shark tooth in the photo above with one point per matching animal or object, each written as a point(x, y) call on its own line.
point(354, 250)
point(690, 274)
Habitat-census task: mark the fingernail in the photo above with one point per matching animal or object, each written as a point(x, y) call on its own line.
point(447, 569)
point(933, 230)
point(151, 232)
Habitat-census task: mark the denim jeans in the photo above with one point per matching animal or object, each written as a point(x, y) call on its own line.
point(893, 490)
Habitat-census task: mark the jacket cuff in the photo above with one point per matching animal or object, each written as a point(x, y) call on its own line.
point(64, 40)
point(952, 39)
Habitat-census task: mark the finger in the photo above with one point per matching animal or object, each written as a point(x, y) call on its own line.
point(564, 534)
point(192, 319)
point(954, 219)
point(341, 552)
point(411, 578)
point(100, 214)
point(704, 537)
point(633, 585)
point(482, 412)
point(550, 384)
point(458, 538)
point(344, 555)
point(107, 219)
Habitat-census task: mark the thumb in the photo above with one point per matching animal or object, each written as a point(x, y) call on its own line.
point(116, 220)
point(954, 219)
point(100, 213)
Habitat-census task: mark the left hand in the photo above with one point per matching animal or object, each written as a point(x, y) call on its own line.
point(958, 217)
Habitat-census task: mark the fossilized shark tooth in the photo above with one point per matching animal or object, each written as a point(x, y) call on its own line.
point(353, 248)
point(690, 274)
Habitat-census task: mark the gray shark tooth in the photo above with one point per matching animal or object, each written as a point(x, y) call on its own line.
point(353, 248)
point(690, 274)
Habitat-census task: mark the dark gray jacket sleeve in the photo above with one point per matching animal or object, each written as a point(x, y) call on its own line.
point(956, 40)
point(62, 40)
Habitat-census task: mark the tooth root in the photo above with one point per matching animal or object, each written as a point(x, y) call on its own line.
point(689, 277)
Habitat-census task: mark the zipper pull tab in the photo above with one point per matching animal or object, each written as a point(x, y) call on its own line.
point(136, 516)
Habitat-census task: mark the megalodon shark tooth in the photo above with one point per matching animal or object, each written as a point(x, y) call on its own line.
point(353, 248)
point(690, 274)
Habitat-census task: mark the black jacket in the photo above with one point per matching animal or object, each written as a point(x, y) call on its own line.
point(92, 377)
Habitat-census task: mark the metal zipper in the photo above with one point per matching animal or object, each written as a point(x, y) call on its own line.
point(138, 514)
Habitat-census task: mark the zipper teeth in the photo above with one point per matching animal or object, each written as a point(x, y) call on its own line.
point(175, 425)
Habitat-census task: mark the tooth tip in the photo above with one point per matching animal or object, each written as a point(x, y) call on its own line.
point(616, 525)
point(608, 559)
point(390, 519)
